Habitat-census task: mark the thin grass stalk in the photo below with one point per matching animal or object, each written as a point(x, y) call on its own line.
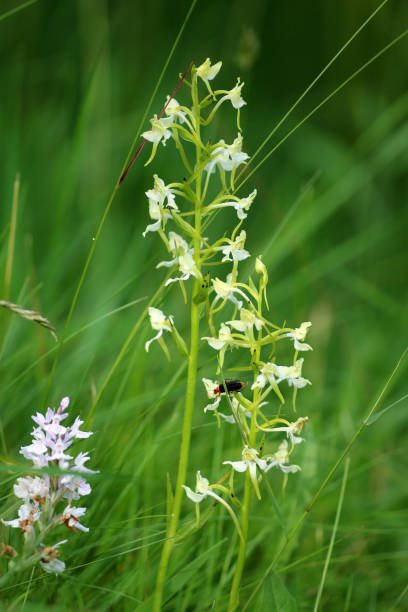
point(17, 9)
point(10, 257)
point(333, 536)
point(12, 239)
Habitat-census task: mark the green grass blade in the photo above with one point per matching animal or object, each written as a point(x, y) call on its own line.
point(17, 9)
point(333, 536)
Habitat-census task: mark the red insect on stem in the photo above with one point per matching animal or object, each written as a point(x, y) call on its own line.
point(136, 155)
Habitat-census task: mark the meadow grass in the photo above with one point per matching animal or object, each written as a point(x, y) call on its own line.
point(331, 225)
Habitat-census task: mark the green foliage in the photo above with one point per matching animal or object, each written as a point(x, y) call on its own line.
point(275, 596)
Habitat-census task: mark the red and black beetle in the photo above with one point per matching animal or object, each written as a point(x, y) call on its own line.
point(232, 387)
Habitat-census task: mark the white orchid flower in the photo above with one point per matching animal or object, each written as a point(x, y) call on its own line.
point(29, 487)
point(187, 267)
point(219, 156)
point(235, 251)
point(162, 194)
point(226, 290)
point(211, 387)
point(267, 374)
point(224, 339)
point(291, 430)
point(157, 198)
point(281, 458)
point(174, 111)
point(203, 490)
point(159, 321)
point(236, 153)
point(206, 72)
point(299, 333)
point(55, 566)
point(49, 561)
point(70, 518)
point(250, 461)
point(182, 257)
point(242, 205)
point(247, 321)
point(234, 95)
point(228, 157)
point(28, 514)
point(156, 212)
point(159, 131)
point(293, 374)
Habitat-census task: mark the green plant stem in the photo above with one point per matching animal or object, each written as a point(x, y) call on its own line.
point(12, 239)
point(248, 494)
point(183, 460)
point(333, 537)
point(191, 384)
point(10, 256)
point(239, 568)
point(17, 9)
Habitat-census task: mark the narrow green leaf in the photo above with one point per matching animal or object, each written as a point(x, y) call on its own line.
point(376, 416)
point(275, 596)
point(276, 506)
point(185, 574)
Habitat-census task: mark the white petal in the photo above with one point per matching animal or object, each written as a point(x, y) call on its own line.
point(148, 343)
point(54, 566)
point(216, 343)
point(299, 383)
point(239, 466)
point(289, 468)
point(153, 227)
point(195, 497)
point(299, 346)
point(227, 419)
point(214, 405)
point(174, 280)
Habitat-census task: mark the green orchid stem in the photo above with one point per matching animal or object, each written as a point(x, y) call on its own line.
point(191, 382)
point(234, 596)
point(245, 514)
point(184, 452)
point(248, 494)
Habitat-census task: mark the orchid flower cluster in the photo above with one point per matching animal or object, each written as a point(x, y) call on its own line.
point(249, 330)
point(48, 499)
point(210, 186)
point(184, 124)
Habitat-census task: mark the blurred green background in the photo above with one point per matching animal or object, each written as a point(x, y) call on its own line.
point(330, 218)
